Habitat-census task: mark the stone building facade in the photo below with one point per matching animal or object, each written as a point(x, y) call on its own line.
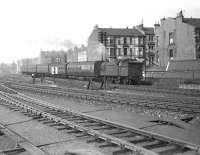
point(114, 43)
point(149, 43)
point(177, 39)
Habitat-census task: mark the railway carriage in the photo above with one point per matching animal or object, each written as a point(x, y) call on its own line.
point(42, 69)
point(84, 69)
point(29, 69)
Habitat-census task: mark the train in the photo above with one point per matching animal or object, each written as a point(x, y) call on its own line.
point(123, 71)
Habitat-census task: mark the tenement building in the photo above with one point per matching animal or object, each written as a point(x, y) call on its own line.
point(178, 39)
point(149, 43)
point(116, 43)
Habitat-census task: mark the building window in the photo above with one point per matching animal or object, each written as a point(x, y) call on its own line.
point(140, 41)
point(197, 35)
point(136, 51)
point(100, 37)
point(131, 40)
point(125, 40)
point(119, 42)
point(198, 51)
point(171, 38)
point(136, 41)
point(125, 51)
point(119, 51)
point(140, 52)
point(111, 41)
point(150, 37)
point(171, 53)
point(58, 60)
point(150, 47)
point(112, 52)
point(131, 51)
point(108, 50)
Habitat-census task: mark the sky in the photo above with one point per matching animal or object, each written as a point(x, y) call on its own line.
point(29, 26)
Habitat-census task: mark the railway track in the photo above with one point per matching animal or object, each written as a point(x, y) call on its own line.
point(180, 105)
point(172, 91)
point(152, 89)
point(122, 139)
point(23, 144)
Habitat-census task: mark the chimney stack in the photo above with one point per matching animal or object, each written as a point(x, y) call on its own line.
point(96, 27)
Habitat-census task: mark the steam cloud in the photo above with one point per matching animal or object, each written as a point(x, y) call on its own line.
point(51, 44)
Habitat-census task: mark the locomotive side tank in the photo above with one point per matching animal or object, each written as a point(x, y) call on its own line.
point(124, 71)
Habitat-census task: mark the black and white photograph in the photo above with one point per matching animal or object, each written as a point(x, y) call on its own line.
point(99, 77)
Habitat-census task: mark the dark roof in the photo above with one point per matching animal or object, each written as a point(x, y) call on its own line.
point(121, 31)
point(192, 21)
point(148, 30)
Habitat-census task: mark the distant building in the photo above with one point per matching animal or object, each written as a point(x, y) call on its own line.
point(82, 54)
point(149, 43)
point(26, 62)
point(116, 43)
point(8, 68)
point(72, 55)
point(77, 54)
point(52, 57)
point(178, 39)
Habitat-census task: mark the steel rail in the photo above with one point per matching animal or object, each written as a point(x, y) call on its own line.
point(171, 99)
point(25, 144)
point(168, 99)
point(165, 90)
point(126, 127)
point(159, 103)
point(108, 138)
